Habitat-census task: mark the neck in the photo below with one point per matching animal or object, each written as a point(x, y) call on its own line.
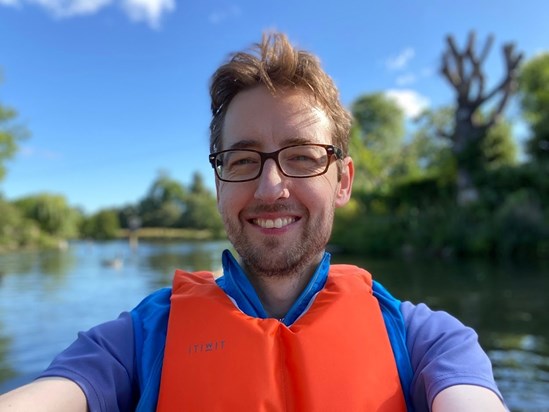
point(278, 293)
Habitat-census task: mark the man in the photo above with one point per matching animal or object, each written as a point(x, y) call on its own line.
point(282, 329)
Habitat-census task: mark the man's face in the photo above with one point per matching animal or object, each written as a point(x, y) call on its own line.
point(279, 225)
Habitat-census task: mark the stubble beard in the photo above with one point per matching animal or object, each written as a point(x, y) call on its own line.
point(271, 257)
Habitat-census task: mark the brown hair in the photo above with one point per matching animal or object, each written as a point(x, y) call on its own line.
point(276, 64)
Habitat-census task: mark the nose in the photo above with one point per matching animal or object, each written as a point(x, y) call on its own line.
point(271, 184)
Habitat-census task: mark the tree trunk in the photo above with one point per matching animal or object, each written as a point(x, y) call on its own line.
point(463, 70)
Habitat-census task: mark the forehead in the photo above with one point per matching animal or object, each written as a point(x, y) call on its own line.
point(257, 118)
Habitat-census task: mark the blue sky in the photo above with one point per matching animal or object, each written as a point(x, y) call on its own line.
point(113, 92)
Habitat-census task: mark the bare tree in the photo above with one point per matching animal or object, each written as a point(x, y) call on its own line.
point(463, 70)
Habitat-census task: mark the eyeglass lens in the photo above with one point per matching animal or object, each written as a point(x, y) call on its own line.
point(295, 161)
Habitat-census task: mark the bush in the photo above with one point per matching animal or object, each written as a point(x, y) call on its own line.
point(103, 225)
point(16, 231)
point(520, 227)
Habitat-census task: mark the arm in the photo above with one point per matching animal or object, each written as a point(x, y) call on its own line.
point(449, 365)
point(95, 372)
point(467, 398)
point(47, 395)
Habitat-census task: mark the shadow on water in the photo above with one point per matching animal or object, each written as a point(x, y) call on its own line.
point(6, 370)
point(164, 258)
point(53, 263)
point(506, 303)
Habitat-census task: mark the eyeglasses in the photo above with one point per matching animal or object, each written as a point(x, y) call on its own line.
point(304, 160)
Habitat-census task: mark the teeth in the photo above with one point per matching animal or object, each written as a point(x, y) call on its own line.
point(276, 223)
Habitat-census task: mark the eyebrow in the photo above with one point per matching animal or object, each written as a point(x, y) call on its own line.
point(244, 144)
point(254, 144)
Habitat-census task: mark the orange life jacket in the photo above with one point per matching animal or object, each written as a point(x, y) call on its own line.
point(336, 357)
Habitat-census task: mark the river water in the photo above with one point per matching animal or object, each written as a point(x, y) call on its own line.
point(46, 297)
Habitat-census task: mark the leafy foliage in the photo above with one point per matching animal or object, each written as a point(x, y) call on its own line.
point(201, 208)
point(15, 230)
point(11, 134)
point(534, 93)
point(408, 207)
point(164, 203)
point(421, 218)
point(376, 140)
point(52, 213)
point(102, 225)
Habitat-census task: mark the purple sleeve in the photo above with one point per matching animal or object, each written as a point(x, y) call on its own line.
point(444, 353)
point(101, 362)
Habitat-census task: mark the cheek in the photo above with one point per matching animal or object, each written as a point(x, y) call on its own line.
point(229, 199)
point(318, 197)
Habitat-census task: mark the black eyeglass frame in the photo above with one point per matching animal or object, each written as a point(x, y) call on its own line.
point(331, 151)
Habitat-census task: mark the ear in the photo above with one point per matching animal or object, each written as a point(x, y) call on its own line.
point(346, 182)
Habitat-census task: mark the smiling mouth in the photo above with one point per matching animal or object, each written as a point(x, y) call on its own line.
point(274, 223)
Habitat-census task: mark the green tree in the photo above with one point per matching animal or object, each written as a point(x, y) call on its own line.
point(102, 225)
point(201, 208)
point(197, 186)
point(463, 71)
point(534, 98)
point(52, 213)
point(432, 152)
point(15, 230)
point(498, 148)
point(11, 133)
point(164, 203)
point(128, 217)
point(376, 139)
point(380, 121)
point(433, 147)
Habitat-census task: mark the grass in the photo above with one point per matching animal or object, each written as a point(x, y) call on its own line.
point(169, 233)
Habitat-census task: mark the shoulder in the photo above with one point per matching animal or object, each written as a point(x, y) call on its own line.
point(156, 300)
point(100, 361)
point(151, 316)
point(151, 313)
point(432, 333)
point(423, 323)
point(444, 352)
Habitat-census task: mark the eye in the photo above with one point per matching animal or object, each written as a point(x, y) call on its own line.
point(241, 159)
point(304, 154)
point(302, 158)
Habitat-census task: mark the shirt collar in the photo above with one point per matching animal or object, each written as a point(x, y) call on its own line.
point(236, 284)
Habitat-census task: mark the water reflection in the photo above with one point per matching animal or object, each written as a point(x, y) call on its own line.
point(505, 303)
point(55, 263)
point(521, 367)
point(165, 258)
point(6, 369)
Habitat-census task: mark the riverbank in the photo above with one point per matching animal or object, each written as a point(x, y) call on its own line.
point(162, 233)
point(146, 233)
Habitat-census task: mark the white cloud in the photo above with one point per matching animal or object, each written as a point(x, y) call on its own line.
point(218, 16)
point(9, 2)
point(69, 8)
point(39, 153)
point(406, 79)
point(410, 101)
point(537, 52)
point(400, 61)
point(148, 11)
